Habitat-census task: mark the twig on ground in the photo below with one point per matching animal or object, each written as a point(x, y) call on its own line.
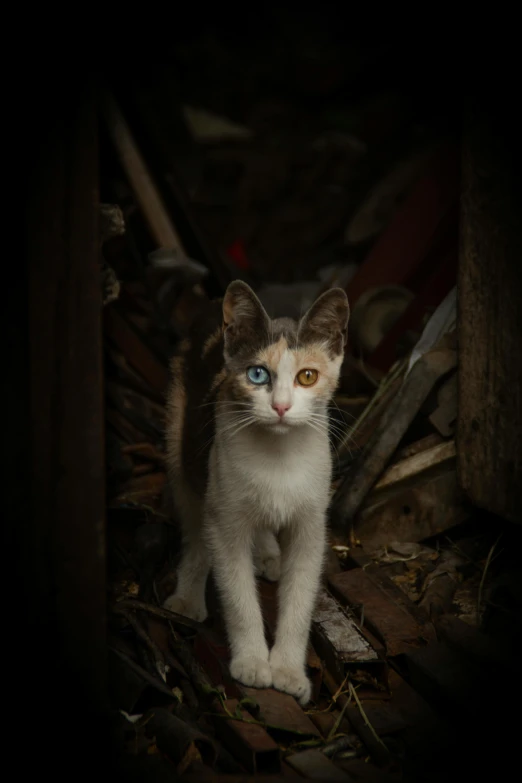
point(483, 578)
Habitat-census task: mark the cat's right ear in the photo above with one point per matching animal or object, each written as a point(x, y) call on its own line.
point(242, 311)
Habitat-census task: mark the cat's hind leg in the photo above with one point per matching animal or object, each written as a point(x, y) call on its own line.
point(192, 572)
point(267, 555)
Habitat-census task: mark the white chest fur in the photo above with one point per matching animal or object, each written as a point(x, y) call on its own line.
point(270, 478)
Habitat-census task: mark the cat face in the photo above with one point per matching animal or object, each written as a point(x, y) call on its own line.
point(282, 373)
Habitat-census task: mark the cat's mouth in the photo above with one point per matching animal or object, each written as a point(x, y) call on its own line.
point(280, 427)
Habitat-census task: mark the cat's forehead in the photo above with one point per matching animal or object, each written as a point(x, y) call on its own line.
point(282, 356)
point(283, 329)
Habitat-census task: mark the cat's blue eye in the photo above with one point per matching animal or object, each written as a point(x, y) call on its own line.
point(258, 375)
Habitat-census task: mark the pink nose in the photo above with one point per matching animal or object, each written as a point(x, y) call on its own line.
point(281, 409)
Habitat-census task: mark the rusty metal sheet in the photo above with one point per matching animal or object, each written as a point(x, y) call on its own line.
point(388, 612)
point(340, 642)
point(249, 742)
point(281, 711)
point(315, 765)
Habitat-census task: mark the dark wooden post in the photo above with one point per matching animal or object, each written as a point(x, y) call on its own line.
point(490, 295)
point(63, 538)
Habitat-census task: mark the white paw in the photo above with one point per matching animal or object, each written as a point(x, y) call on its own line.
point(291, 679)
point(251, 671)
point(186, 607)
point(269, 568)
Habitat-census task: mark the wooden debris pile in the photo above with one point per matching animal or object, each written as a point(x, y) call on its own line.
point(386, 656)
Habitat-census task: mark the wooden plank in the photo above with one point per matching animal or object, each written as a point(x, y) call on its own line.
point(388, 612)
point(64, 552)
point(341, 644)
point(490, 306)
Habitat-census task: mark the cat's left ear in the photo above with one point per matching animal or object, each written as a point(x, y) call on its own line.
point(327, 320)
point(244, 317)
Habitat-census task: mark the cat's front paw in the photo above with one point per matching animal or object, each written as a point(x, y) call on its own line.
point(186, 607)
point(251, 671)
point(290, 679)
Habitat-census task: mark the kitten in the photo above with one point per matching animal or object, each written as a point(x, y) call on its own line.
point(250, 470)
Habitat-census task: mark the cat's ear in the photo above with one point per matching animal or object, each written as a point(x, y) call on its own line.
point(242, 311)
point(327, 320)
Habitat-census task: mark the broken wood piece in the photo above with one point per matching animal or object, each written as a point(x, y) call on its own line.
point(281, 712)
point(342, 646)
point(140, 179)
point(248, 741)
point(441, 455)
point(388, 612)
point(367, 467)
point(315, 765)
point(179, 741)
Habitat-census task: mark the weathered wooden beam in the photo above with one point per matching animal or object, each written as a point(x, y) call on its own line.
point(64, 550)
point(489, 438)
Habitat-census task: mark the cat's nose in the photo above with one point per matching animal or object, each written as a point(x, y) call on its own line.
point(281, 408)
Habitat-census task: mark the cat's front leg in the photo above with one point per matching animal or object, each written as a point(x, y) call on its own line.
point(231, 552)
point(302, 549)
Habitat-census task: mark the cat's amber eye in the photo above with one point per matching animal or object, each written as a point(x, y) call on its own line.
point(307, 377)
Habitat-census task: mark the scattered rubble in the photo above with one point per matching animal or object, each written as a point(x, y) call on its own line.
point(378, 667)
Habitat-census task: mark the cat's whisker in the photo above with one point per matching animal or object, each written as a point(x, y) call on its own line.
point(218, 403)
point(232, 431)
point(238, 420)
